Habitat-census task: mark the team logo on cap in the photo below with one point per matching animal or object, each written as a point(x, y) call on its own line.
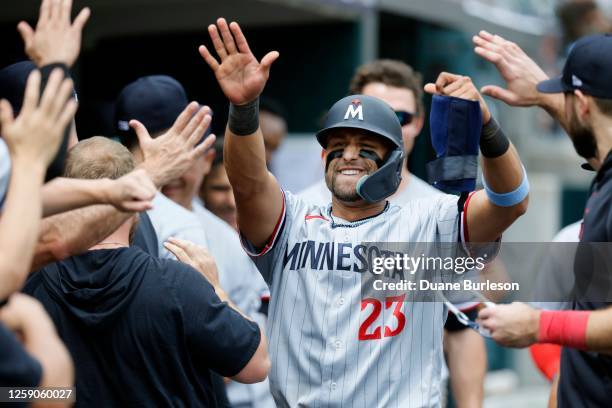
point(577, 82)
point(354, 110)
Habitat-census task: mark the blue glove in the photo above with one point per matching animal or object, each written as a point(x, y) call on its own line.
point(456, 125)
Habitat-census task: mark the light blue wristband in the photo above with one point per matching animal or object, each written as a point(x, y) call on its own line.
point(513, 197)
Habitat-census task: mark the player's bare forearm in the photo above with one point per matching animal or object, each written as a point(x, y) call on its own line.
point(19, 225)
point(65, 194)
point(487, 221)
point(466, 348)
point(74, 232)
point(259, 199)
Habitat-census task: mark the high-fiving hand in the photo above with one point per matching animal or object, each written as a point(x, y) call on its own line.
point(241, 77)
point(55, 40)
point(519, 71)
point(37, 132)
point(170, 155)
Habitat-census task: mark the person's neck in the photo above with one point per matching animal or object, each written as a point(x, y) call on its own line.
point(118, 239)
point(356, 211)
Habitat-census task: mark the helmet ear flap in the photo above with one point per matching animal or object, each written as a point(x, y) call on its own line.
point(383, 182)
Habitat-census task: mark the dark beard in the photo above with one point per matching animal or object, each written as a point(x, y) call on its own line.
point(583, 138)
point(349, 197)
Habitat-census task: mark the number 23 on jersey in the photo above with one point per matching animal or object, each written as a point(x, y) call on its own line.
point(371, 328)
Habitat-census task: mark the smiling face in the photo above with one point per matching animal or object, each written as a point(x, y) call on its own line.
point(344, 171)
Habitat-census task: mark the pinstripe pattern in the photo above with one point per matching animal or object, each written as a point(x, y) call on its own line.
point(316, 312)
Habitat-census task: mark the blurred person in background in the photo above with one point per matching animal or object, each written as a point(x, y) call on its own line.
point(273, 126)
point(216, 191)
point(579, 18)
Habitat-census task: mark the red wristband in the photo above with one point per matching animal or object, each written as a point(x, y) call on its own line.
point(565, 327)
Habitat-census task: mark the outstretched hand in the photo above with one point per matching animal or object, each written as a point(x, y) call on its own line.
point(35, 135)
point(241, 77)
point(520, 72)
point(170, 155)
point(55, 40)
point(132, 192)
point(459, 87)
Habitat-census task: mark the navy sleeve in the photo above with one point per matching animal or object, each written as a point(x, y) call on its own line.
point(216, 334)
point(17, 367)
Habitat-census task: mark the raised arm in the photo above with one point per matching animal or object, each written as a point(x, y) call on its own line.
point(32, 138)
point(242, 78)
point(132, 192)
point(166, 157)
point(521, 74)
point(504, 199)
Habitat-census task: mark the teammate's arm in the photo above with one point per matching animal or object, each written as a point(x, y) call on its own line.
point(166, 157)
point(242, 78)
point(521, 74)
point(519, 325)
point(32, 138)
point(502, 170)
point(132, 192)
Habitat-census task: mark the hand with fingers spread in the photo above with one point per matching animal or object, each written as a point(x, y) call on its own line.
point(519, 71)
point(132, 192)
point(56, 39)
point(37, 132)
point(459, 86)
point(195, 256)
point(241, 77)
point(168, 156)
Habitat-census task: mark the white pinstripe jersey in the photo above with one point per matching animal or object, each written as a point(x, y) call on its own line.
point(329, 347)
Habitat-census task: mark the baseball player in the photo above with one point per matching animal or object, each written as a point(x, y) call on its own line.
point(401, 87)
point(329, 346)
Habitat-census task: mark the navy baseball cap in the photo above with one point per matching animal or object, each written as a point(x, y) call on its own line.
point(13, 79)
point(587, 69)
point(154, 100)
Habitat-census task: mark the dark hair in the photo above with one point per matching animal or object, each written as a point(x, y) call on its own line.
point(272, 106)
point(218, 153)
point(389, 72)
point(572, 16)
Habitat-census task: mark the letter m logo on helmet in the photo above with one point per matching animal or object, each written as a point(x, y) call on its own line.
point(354, 110)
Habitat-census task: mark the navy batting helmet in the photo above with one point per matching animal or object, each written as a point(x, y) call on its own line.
point(375, 116)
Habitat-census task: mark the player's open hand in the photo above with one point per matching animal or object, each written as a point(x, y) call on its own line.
point(56, 39)
point(170, 155)
point(459, 86)
point(519, 71)
point(132, 192)
point(35, 135)
point(241, 77)
point(513, 325)
point(195, 256)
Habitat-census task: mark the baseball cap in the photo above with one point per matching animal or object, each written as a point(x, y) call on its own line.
point(13, 79)
point(587, 69)
point(154, 100)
